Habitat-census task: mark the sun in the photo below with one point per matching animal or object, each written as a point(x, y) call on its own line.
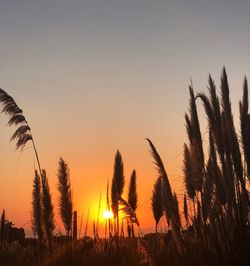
point(107, 214)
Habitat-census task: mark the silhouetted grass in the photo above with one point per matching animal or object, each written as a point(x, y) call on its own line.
point(212, 229)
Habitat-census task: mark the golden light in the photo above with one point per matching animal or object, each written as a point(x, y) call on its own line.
point(107, 214)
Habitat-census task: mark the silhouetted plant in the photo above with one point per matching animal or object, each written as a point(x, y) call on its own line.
point(3, 226)
point(218, 187)
point(108, 208)
point(223, 205)
point(169, 199)
point(48, 213)
point(37, 208)
point(163, 174)
point(22, 135)
point(117, 187)
point(65, 198)
point(132, 196)
point(128, 211)
point(196, 149)
point(245, 126)
point(188, 174)
point(185, 208)
point(156, 202)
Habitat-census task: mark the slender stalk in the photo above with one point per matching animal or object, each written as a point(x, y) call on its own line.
point(36, 154)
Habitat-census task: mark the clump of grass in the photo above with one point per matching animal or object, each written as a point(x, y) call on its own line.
point(220, 222)
point(216, 187)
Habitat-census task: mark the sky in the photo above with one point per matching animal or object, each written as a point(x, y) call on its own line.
point(96, 76)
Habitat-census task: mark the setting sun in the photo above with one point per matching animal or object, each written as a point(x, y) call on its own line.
point(107, 214)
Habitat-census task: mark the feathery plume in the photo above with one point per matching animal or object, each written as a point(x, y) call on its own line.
point(188, 174)
point(48, 213)
point(117, 182)
point(117, 187)
point(128, 211)
point(65, 198)
point(22, 135)
point(160, 167)
point(196, 148)
point(245, 125)
point(156, 201)
point(132, 194)
point(37, 208)
point(132, 198)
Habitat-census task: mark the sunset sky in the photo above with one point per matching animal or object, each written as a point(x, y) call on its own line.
point(96, 76)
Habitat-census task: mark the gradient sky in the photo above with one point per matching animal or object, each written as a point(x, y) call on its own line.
point(96, 76)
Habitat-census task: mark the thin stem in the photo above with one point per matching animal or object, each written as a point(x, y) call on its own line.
point(35, 150)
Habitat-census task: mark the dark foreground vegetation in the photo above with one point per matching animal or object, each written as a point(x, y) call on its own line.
point(210, 225)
